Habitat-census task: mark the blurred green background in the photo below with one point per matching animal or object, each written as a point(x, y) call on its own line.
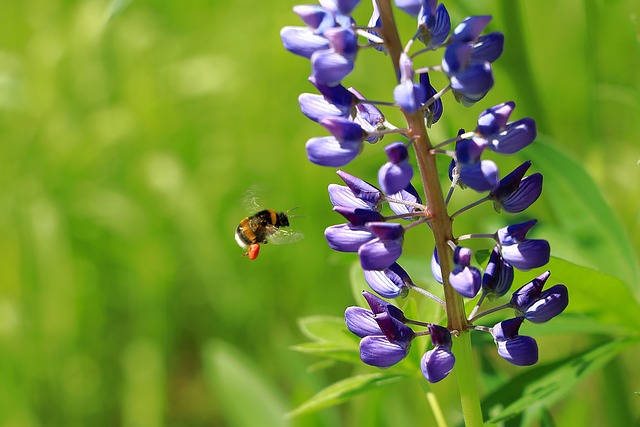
point(129, 131)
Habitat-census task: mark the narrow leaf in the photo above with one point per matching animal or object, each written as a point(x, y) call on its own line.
point(346, 389)
point(546, 385)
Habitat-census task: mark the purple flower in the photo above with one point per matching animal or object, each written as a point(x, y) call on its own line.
point(488, 48)
point(340, 149)
point(434, 111)
point(361, 188)
point(412, 7)
point(539, 307)
point(380, 253)
point(469, 30)
point(341, 195)
point(369, 117)
point(317, 107)
point(361, 322)
point(408, 95)
point(434, 24)
point(392, 282)
point(302, 41)
point(438, 362)
point(498, 276)
point(387, 341)
point(396, 174)
point(358, 216)
point(531, 253)
point(473, 83)
point(464, 278)
point(494, 119)
point(347, 237)
point(514, 193)
point(515, 137)
point(408, 194)
point(337, 95)
point(529, 292)
point(316, 17)
point(329, 151)
point(329, 67)
point(515, 233)
point(480, 176)
point(435, 266)
point(517, 349)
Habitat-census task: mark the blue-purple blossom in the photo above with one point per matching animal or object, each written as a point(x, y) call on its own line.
point(515, 137)
point(302, 41)
point(531, 253)
point(498, 276)
point(358, 216)
point(316, 17)
point(434, 24)
point(392, 282)
point(395, 174)
point(387, 344)
point(546, 306)
point(412, 7)
point(328, 151)
point(514, 193)
point(408, 194)
point(529, 292)
point(361, 322)
point(369, 117)
point(480, 176)
point(435, 266)
point(380, 253)
point(517, 349)
point(361, 188)
point(410, 96)
point(470, 29)
point(494, 120)
point(347, 237)
point(341, 195)
point(465, 278)
point(434, 110)
point(438, 362)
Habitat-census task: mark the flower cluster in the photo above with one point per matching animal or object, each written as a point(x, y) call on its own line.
point(330, 39)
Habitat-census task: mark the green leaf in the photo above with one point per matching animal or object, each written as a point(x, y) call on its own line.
point(546, 385)
point(346, 389)
point(348, 354)
point(326, 329)
point(587, 227)
point(238, 385)
point(601, 297)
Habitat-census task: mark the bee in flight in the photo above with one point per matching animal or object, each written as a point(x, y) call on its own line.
point(263, 227)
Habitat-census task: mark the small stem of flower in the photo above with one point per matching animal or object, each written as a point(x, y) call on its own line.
point(408, 214)
point(427, 294)
point(456, 139)
point(479, 328)
point(388, 132)
point(437, 96)
point(491, 310)
point(476, 236)
point(416, 223)
point(428, 69)
point(466, 208)
point(364, 33)
point(406, 203)
point(370, 101)
point(475, 309)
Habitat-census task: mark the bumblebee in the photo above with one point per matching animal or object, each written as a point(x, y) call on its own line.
point(262, 227)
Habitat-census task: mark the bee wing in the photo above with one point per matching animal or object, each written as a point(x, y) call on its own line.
point(253, 199)
point(282, 237)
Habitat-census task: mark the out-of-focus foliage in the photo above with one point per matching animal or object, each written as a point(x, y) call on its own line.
point(129, 132)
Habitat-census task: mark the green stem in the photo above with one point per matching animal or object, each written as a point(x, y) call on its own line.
point(441, 225)
point(467, 383)
point(435, 405)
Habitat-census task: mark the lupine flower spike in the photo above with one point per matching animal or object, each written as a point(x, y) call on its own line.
point(375, 219)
